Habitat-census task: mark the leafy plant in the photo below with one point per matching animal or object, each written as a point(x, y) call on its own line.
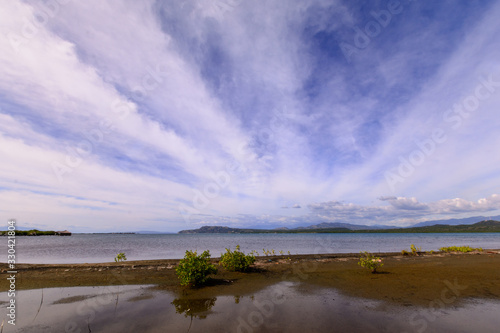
point(368, 261)
point(194, 269)
point(236, 260)
point(463, 249)
point(413, 250)
point(120, 257)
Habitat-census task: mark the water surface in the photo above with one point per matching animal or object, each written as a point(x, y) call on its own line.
point(82, 248)
point(283, 307)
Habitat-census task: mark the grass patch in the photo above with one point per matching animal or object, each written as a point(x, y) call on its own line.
point(463, 249)
point(414, 251)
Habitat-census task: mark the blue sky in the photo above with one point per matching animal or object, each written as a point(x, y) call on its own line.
point(170, 115)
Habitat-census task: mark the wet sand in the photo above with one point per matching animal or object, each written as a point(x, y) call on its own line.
point(403, 280)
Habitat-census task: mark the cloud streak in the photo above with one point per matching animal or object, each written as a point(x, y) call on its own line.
point(166, 114)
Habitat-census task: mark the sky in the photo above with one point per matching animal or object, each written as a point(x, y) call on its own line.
point(171, 115)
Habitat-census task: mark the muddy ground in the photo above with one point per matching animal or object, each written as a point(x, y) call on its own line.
point(403, 280)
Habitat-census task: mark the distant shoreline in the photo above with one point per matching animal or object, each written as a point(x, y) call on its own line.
point(487, 226)
point(479, 227)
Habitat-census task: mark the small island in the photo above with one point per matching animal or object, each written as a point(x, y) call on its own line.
point(36, 232)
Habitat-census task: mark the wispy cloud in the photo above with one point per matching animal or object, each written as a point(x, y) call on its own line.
point(165, 114)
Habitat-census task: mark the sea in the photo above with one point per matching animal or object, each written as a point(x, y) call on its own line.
point(95, 248)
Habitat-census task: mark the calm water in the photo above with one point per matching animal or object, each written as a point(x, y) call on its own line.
point(81, 248)
point(283, 307)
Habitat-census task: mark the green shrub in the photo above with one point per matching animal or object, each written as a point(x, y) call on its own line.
point(236, 260)
point(370, 262)
point(463, 249)
point(120, 257)
point(194, 269)
point(413, 251)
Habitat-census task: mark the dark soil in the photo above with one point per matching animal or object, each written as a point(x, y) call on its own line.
point(403, 280)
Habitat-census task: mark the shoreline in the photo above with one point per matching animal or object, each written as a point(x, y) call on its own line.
point(403, 280)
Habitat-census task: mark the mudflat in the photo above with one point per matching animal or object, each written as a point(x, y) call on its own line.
point(403, 280)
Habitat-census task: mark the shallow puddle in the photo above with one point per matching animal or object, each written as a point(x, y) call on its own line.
point(284, 307)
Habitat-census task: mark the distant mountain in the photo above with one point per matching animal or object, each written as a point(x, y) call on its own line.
point(467, 220)
point(484, 226)
point(321, 226)
point(227, 230)
point(214, 230)
point(336, 225)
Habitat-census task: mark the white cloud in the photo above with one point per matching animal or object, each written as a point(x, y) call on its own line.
point(190, 90)
point(403, 210)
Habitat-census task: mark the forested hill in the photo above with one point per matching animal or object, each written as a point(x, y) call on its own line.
point(483, 226)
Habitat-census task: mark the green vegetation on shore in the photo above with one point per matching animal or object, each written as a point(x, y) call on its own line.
point(414, 251)
point(463, 249)
point(370, 262)
point(236, 260)
point(120, 257)
point(484, 226)
point(32, 232)
point(194, 269)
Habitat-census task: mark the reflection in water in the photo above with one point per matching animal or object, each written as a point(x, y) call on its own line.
point(199, 308)
point(283, 307)
point(238, 298)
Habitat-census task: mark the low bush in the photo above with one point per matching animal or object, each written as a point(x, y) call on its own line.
point(413, 251)
point(120, 257)
point(463, 249)
point(194, 269)
point(370, 262)
point(236, 260)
